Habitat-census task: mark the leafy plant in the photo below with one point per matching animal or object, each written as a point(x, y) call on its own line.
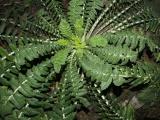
point(55, 62)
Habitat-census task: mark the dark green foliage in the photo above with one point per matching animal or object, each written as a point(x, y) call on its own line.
point(53, 63)
point(107, 108)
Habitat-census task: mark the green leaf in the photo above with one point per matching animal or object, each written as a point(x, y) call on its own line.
point(158, 57)
point(98, 41)
point(127, 112)
point(59, 59)
point(119, 81)
point(106, 84)
point(63, 42)
point(79, 27)
point(132, 40)
point(3, 52)
point(91, 12)
point(118, 78)
point(71, 116)
point(84, 101)
point(30, 112)
point(144, 72)
point(116, 55)
point(30, 52)
point(76, 81)
point(75, 10)
point(65, 28)
point(4, 109)
point(18, 100)
point(96, 69)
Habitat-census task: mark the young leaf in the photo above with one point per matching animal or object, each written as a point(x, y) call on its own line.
point(59, 59)
point(98, 41)
point(65, 28)
point(79, 27)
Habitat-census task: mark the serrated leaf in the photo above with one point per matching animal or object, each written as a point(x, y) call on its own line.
point(59, 59)
point(158, 57)
point(84, 101)
point(18, 100)
point(63, 42)
point(71, 116)
point(79, 27)
point(3, 52)
point(65, 28)
point(75, 10)
point(106, 84)
point(30, 112)
point(98, 41)
point(119, 81)
point(4, 109)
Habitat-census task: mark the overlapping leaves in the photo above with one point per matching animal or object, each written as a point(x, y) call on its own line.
point(55, 56)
